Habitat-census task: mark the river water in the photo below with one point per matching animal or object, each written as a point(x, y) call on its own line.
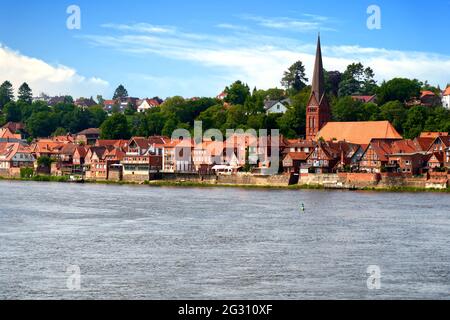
point(136, 242)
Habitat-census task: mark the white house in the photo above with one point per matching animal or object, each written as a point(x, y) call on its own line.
point(147, 104)
point(446, 98)
point(273, 106)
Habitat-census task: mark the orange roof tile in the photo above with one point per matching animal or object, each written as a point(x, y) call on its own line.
point(358, 132)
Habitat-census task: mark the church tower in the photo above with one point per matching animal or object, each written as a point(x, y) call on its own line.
point(318, 112)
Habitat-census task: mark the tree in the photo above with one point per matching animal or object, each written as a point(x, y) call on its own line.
point(12, 112)
point(59, 132)
point(41, 124)
point(120, 93)
point(115, 128)
point(170, 126)
point(97, 116)
point(293, 123)
point(25, 94)
point(415, 122)
point(295, 78)
point(395, 113)
point(347, 109)
point(237, 93)
point(332, 81)
point(357, 80)
point(6, 93)
point(398, 89)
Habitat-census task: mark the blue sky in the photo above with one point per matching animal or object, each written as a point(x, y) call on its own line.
point(196, 48)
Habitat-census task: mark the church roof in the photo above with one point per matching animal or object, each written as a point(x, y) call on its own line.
point(318, 82)
point(358, 132)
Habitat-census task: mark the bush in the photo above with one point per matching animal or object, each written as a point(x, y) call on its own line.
point(26, 173)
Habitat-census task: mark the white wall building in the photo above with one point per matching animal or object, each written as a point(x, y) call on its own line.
point(446, 98)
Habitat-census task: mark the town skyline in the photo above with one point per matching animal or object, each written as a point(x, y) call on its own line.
point(177, 52)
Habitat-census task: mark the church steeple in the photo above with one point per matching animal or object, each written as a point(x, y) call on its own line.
point(318, 83)
point(318, 112)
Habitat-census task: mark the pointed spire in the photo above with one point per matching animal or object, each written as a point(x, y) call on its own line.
point(318, 83)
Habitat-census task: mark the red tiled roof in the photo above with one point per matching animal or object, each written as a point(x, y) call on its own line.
point(426, 93)
point(298, 156)
point(358, 132)
point(447, 92)
point(91, 131)
point(364, 99)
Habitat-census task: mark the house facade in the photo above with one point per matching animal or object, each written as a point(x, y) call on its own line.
point(147, 104)
point(446, 98)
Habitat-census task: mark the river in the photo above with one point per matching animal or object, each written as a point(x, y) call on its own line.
point(138, 242)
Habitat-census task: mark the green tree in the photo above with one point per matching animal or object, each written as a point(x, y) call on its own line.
point(97, 116)
point(398, 89)
point(357, 80)
point(59, 132)
point(293, 123)
point(169, 127)
point(294, 78)
point(12, 112)
point(347, 110)
point(120, 93)
point(25, 94)
point(237, 93)
point(395, 113)
point(332, 82)
point(415, 122)
point(41, 124)
point(6, 93)
point(115, 127)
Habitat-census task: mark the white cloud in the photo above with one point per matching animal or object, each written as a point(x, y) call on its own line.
point(43, 77)
point(139, 27)
point(309, 23)
point(261, 60)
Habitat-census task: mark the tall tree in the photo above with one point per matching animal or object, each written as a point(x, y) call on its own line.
point(6, 93)
point(115, 127)
point(332, 81)
point(12, 112)
point(237, 93)
point(357, 80)
point(295, 78)
point(120, 93)
point(398, 89)
point(25, 94)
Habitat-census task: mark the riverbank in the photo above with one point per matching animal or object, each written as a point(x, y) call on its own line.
point(208, 185)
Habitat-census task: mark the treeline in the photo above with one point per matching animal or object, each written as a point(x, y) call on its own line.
point(242, 108)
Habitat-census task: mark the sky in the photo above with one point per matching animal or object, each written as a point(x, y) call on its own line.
point(196, 48)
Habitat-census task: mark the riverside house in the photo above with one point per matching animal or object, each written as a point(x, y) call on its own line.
point(332, 156)
point(88, 137)
point(13, 157)
point(143, 157)
point(376, 158)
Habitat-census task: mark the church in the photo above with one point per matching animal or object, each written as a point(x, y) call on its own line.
point(318, 116)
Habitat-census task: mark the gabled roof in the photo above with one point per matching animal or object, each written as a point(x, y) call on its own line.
point(270, 103)
point(14, 126)
point(424, 144)
point(6, 133)
point(425, 93)
point(358, 132)
point(9, 150)
point(447, 92)
point(91, 131)
point(364, 99)
point(298, 156)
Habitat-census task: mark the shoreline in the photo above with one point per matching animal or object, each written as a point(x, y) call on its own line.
point(162, 183)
